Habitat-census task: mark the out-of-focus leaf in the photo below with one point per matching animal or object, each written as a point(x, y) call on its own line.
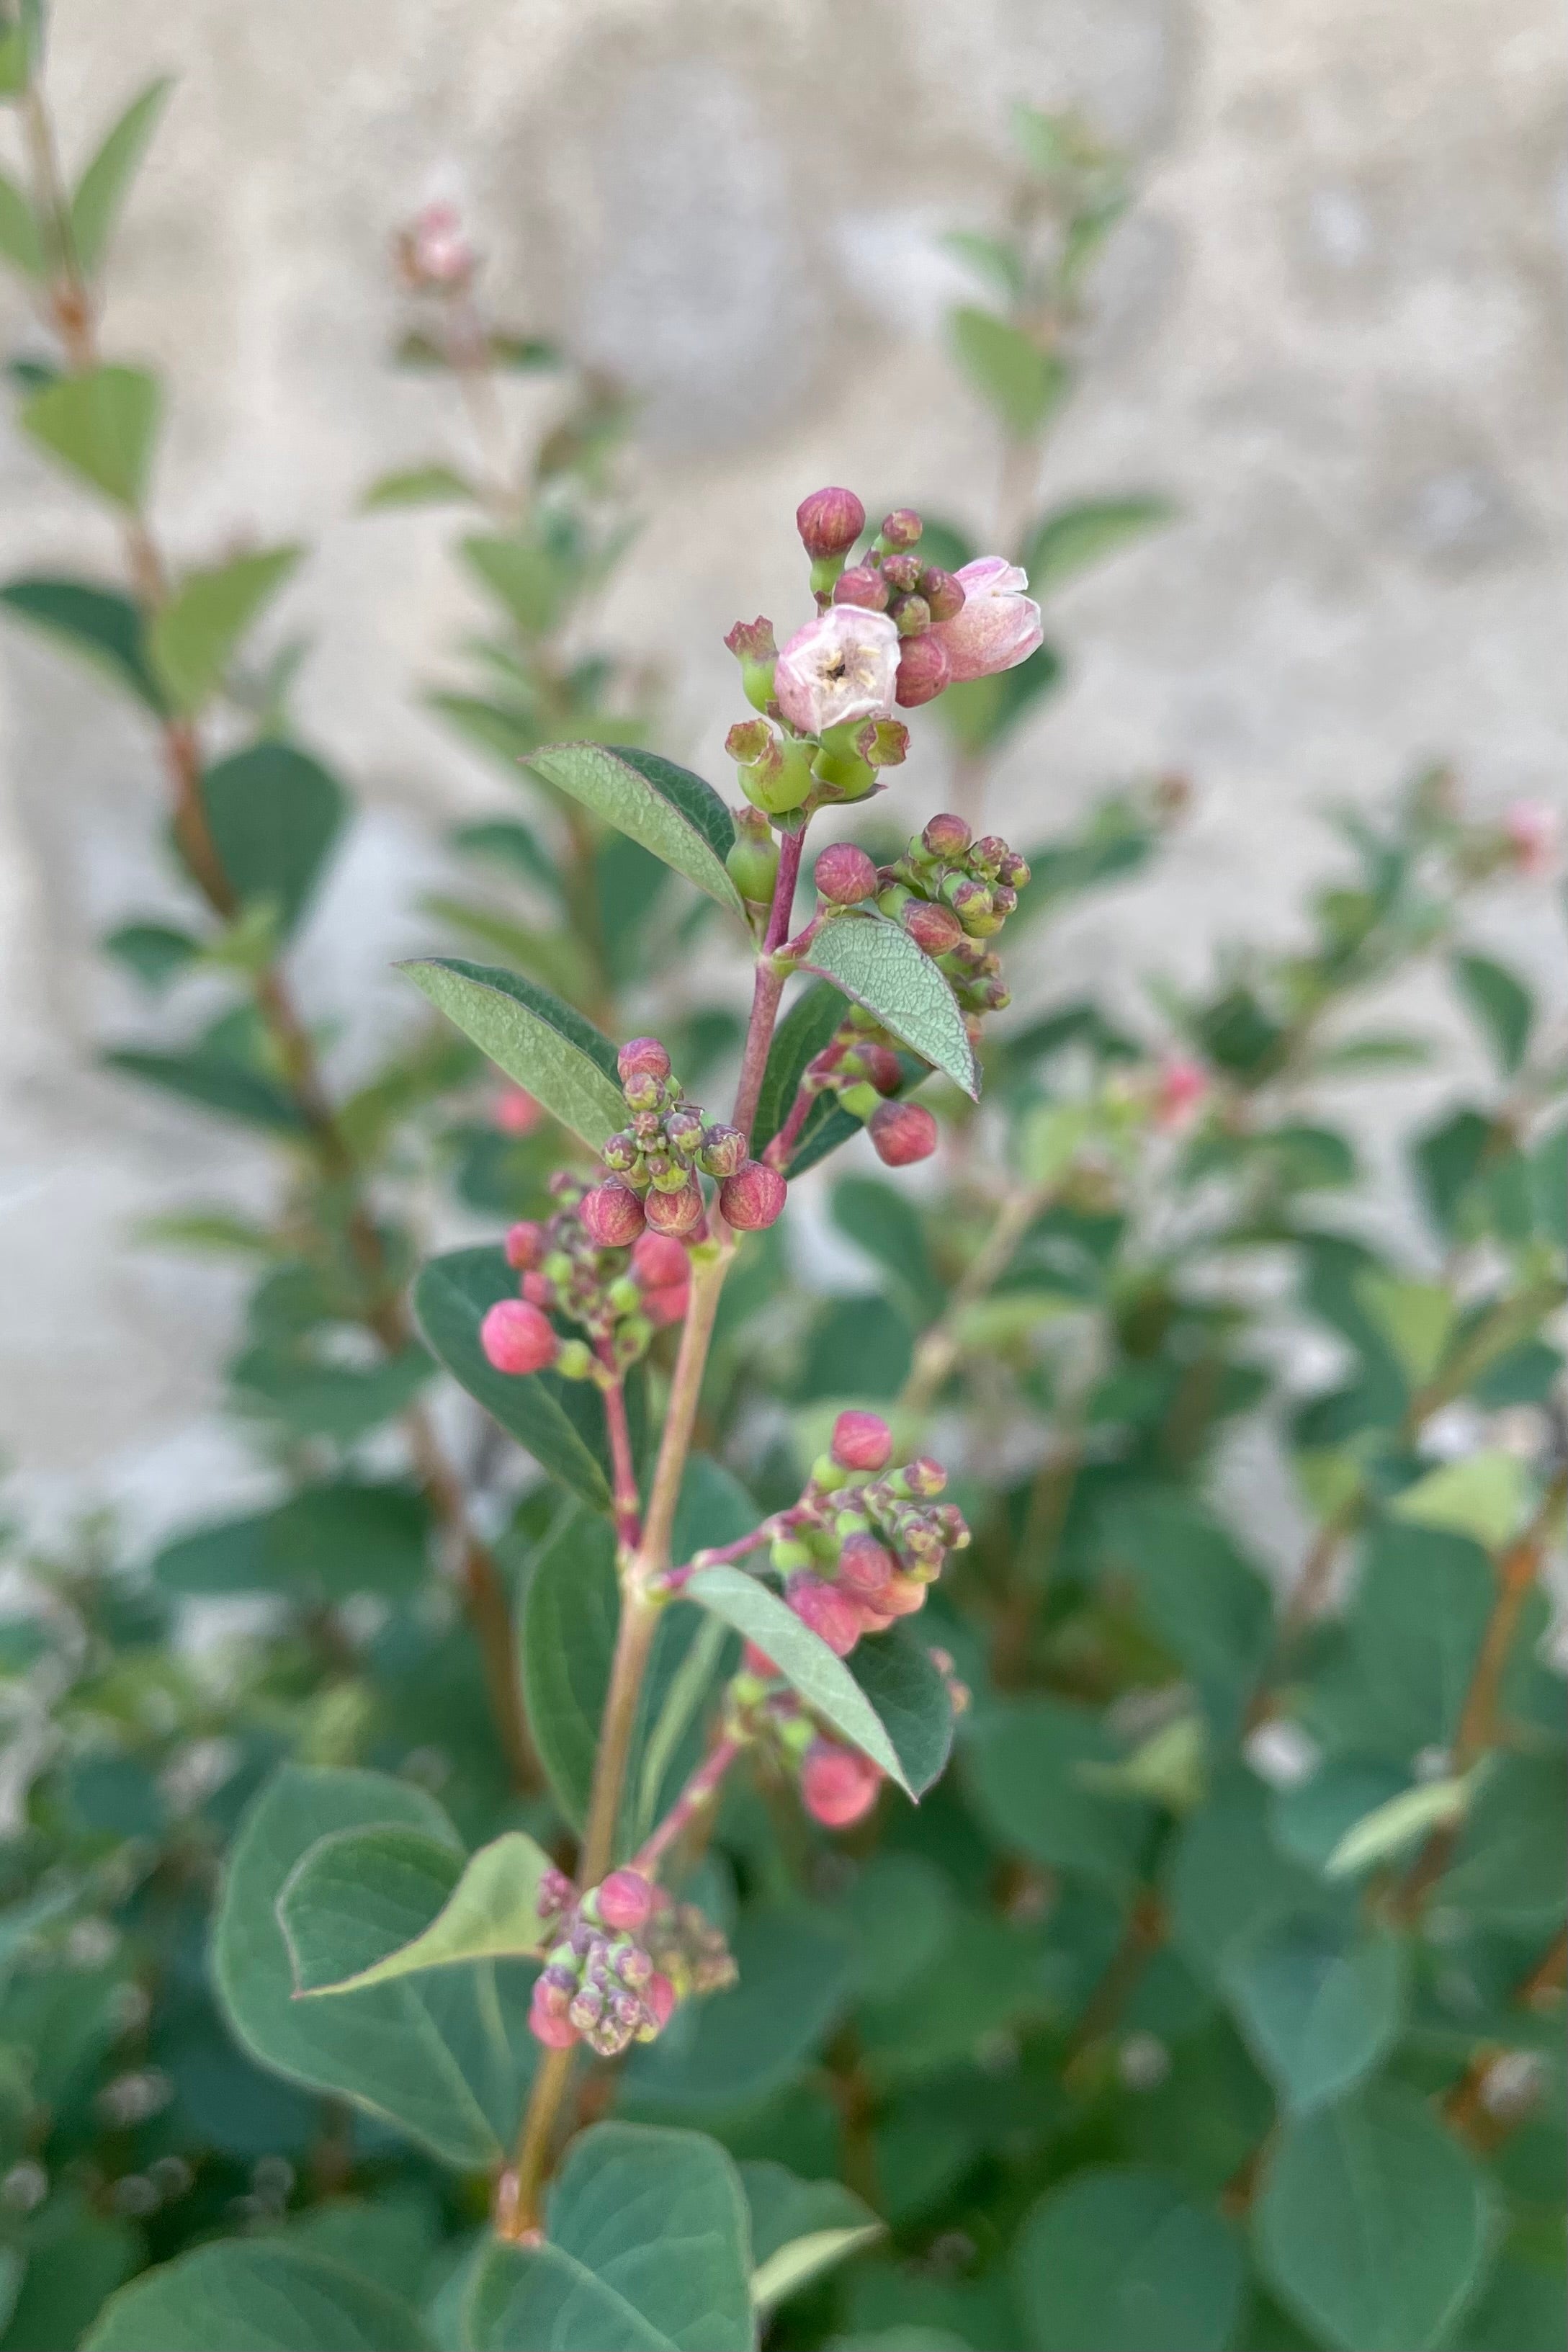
point(276, 814)
point(418, 486)
point(102, 425)
point(196, 633)
point(1119, 2261)
point(1502, 1005)
point(103, 185)
point(105, 629)
point(1077, 536)
point(255, 2296)
point(1022, 383)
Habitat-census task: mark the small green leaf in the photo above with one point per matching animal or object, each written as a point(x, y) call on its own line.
point(645, 2250)
point(1484, 1496)
point(254, 2296)
point(879, 965)
point(363, 1907)
point(1372, 2223)
point(19, 240)
point(895, 1670)
point(823, 1681)
point(326, 1542)
point(451, 1299)
point(101, 190)
point(1501, 1004)
point(194, 634)
point(105, 629)
point(1023, 384)
point(215, 1081)
point(1320, 2002)
point(535, 1039)
point(276, 814)
point(800, 2229)
point(669, 811)
point(153, 953)
point(1417, 1317)
point(1119, 2261)
point(1077, 536)
point(102, 425)
point(527, 576)
point(1024, 1762)
point(418, 486)
point(1391, 1828)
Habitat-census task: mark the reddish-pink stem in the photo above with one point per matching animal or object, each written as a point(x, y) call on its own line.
point(777, 1153)
point(701, 1789)
point(627, 1500)
point(768, 985)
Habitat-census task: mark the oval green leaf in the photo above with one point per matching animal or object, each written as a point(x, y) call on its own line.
point(671, 812)
point(1318, 2002)
point(194, 634)
point(879, 965)
point(1118, 2260)
point(544, 1044)
point(254, 2296)
point(895, 1672)
point(362, 1907)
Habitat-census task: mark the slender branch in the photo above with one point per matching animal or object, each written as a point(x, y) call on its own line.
point(701, 1789)
point(778, 1154)
point(940, 1346)
point(768, 985)
point(1303, 1603)
point(627, 1500)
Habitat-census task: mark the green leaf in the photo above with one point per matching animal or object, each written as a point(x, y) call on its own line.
point(1397, 1823)
point(883, 1220)
point(101, 190)
point(535, 1039)
point(1372, 2223)
point(524, 574)
point(325, 1543)
point(418, 486)
point(570, 1609)
point(672, 812)
point(645, 2250)
point(444, 2058)
point(1119, 2261)
point(1022, 1761)
point(451, 1298)
point(802, 1657)
point(800, 2229)
point(194, 634)
point(105, 629)
point(153, 953)
point(1077, 536)
point(20, 242)
point(732, 2048)
point(1023, 384)
point(1227, 1876)
point(276, 814)
point(217, 1083)
point(254, 2296)
point(1501, 1004)
point(363, 1907)
point(102, 425)
point(1508, 1868)
point(1202, 1598)
point(1413, 1632)
point(1417, 1317)
point(807, 1027)
point(878, 964)
point(910, 1696)
point(1318, 2002)
point(1484, 1496)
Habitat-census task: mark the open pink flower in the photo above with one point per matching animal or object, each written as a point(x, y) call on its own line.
point(997, 626)
point(841, 666)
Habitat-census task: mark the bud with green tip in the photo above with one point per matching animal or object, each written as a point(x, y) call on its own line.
point(753, 862)
point(752, 644)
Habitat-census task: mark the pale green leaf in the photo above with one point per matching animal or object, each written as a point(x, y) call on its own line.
point(1502, 1005)
point(104, 629)
point(251, 2295)
point(102, 425)
point(19, 241)
point(1484, 1496)
point(1023, 384)
point(101, 190)
point(671, 812)
point(358, 1888)
point(1119, 2261)
point(800, 2229)
point(544, 1044)
point(1391, 1827)
point(418, 486)
point(1077, 536)
point(879, 965)
point(1415, 1318)
point(194, 634)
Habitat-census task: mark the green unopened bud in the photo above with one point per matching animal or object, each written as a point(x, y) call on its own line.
point(893, 899)
point(624, 1296)
point(827, 1475)
point(860, 1099)
point(751, 643)
point(753, 862)
point(633, 1338)
point(575, 1359)
point(787, 1555)
point(557, 1266)
point(911, 616)
point(781, 779)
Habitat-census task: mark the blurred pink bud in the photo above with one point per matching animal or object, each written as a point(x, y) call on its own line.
point(882, 1067)
point(659, 1998)
point(998, 625)
point(830, 521)
point(1531, 830)
point(902, 1595)
point(555, 2032)
point(901, 1133)
point(438, 250)
point(846, 875)
point(839, 667)
point(832, 1614)
point(936, 929)
point(837, 1785)
point(861, 1441)
point(516, 1337)
point(666, 1305)
point(525, 1245)
point(753, 1198)
point(612, 1215)
point(675, 1212)
point(924, 669)
point(516, 1112)
point(537, 1289)
point(660, 1262)
point(642, 1057)
point(625, 1899)
point(1182, 1085)
point(861, 584)
point(864, 1566)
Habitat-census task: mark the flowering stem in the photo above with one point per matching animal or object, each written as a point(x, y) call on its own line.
point(702, 1788)
point(627, 1500)
point(768, 985)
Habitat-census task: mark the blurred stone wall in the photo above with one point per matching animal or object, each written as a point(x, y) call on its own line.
point(1333, 332)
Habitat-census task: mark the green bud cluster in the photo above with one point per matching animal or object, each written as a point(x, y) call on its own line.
point(953, 893)
point(609, 1293)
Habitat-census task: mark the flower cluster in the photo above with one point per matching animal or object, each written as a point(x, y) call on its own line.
point(625, 1955)
point(654, 1163)
point(619, 1302)
point(953, 893)
point(890, 630)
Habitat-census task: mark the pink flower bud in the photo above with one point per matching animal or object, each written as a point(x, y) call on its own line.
point(1179, 1093)
point(555, 2030)
point(611, 1215)
point(924, 669)
point(997, 627)
point(659, 2000)
point(525, 1245)
point(828, 1611)
point(861, 1441)
point(677, 1212)
point(846, 875)
point(666, 1305)
point(861, 584)
point(538, 1288)
point(660, 1263)
point(943, 592)
point(839, 667)
point(516, 1112)
point(625, 1899)
point(946, 836)
point(516, 1337)
point(925, 1476)
point(753, 1198)
point(901, 1133)
point(902, 528)
point(752, 641)
point(902, 1595)
point(436, 250)
point(830, 521)
point(723, 1151)
point(864, 1567)
point(910, 615)
point(756, 1662)
point(883, 1068)
point(642, 1057)
point(1530, 828)
point(936, 929)
point(902, 574)
point(837, 1785)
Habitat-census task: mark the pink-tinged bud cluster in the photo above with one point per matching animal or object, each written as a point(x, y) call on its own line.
point(953, 893)
point(1532, 831)
point(434, 251)
point(864, 1544)
point(858, 1066)
point(1181, 1088)
point(654, 1163)
point(837, 1785)
point(624, 1957)
point(572, 1269)
point(516, 1113)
